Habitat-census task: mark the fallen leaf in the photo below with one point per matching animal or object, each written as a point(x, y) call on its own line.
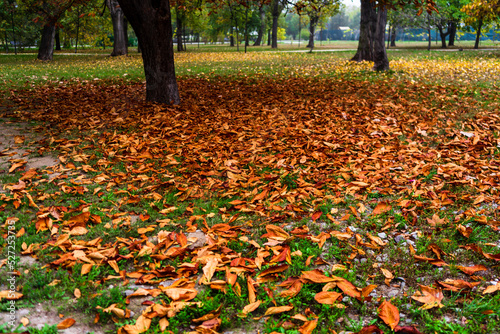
point(278, 309)
point(66, 323)
point(389, 314)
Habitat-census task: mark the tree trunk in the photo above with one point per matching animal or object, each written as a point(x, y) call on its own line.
point(269, 37)
point(429, 38)
point(379, 50)
point(119, 28)
point(366, 32)
point(453, 33)
point(478, 34)
point(262, 28)
point(151, 19)
point(443, 36)
point(276, 15)
point(393, 36)
point(179, 35)
point(46, 49)
point(6, 42)
point(58, 40)
point(313, 22)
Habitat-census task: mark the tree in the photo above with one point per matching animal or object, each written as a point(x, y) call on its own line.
point(371, 45)
point(119, 28)
point(49, 12)
point(276, 8)
point(151, 19)
point(367, 27)
point(263, 24)
point(481, 13)
point(316, 10)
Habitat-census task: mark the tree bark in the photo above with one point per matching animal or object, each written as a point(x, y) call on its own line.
point(179, 33)
point(443, 36)
point(262, 28)
point(313, 22)
point(151, 19)
point(393, 36)
point(478, 34)
point(453, 33)
point(366, 32)
point(58, 40)
point(379, 51)
point(269, 37)
point(46, 49)
point(119, 28)
point(276, 15)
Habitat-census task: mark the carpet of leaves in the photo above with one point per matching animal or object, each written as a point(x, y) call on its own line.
point(278, 150)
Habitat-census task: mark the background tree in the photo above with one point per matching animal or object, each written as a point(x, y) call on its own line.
point(480, 14)
point(120, 35)
point(49, 12)
point(316, 10)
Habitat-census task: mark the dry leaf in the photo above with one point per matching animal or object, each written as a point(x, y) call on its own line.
point(389, 314)
point(66, 323)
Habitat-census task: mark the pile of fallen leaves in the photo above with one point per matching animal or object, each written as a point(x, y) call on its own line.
point(246, 140)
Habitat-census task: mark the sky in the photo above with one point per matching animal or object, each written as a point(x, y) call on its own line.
point(352, 2)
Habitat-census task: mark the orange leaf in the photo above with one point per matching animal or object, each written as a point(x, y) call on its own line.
point(430, 297)
point(251, 307)
point(317, 276)
point(389, 314)
point(278, 309)
point(66, 323)
point(472, 270)
point(308, 327)
point(327, 297)
point(381, 208)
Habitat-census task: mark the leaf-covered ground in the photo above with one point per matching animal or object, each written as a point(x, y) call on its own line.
point(327, 200)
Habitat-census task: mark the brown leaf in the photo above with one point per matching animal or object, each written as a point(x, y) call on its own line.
point(373, 329)
point(389, 314)
point(407, 330)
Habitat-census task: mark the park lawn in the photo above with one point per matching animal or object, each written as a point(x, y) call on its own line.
point(330, 197)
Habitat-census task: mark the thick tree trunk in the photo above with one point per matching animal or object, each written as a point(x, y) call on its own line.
point(393, 36)
point(58, 40)
point(276, 15)
point(478, 34)
point(379, 50)
point(119, 28)
point(151, 19)
point(313, 22)
point(366, 32)
point(453, 34)
point(46, 49)
point(262, 28)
